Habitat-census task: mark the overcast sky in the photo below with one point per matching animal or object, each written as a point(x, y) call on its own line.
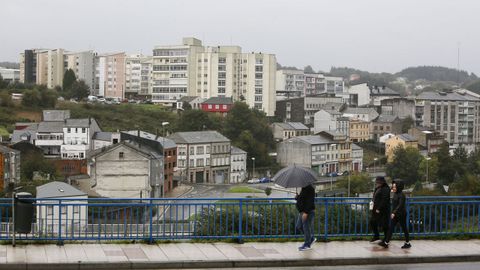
point(373, 35)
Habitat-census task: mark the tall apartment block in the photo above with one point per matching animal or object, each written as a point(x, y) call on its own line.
point(456, 115)
point(135, 75)
point(110, 75)
point(83, 65)
point(194, 70)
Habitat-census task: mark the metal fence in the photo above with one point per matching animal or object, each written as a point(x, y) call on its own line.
point(242, 218)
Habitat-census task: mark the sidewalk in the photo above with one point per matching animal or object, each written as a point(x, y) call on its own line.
point(225, 255)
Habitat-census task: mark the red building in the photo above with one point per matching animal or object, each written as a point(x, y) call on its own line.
point(220, 105)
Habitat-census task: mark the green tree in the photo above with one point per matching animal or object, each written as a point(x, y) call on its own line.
point(48, 98)
point(466, 185)
point(268, 191)
point(3, 83)
point(405, 164)
point(68, 79)
point(359, 183)
point(432, 169)
point(308, 69)
point(407, 123)
point(36, 162)
point(446, 166)
point(31, 98)
point(5, 99)
point(195, 120)
point(473, 162)
point(79, 90)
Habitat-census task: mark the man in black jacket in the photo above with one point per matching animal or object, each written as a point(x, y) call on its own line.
point(381, 209)
point(399, 213)
point(306, 208)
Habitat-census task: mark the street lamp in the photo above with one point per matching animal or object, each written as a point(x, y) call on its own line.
point(374, 163)
point(163, 148)
point(253, 171)
point(427, 158)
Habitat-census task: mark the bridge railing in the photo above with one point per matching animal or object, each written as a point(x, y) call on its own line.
point(239, 218)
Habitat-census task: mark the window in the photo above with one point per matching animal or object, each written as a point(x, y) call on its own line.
point(208, 149)
point(207, 162)
point(192, 150)
point(192, 163)
point(121, 155)
point(200, 162)
point(82, 155)
point(84, 130)
point(200, 150)
point(68, 130)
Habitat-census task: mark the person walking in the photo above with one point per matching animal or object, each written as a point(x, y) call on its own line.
point(381, 210)
point(399, 213)
point(306, 208)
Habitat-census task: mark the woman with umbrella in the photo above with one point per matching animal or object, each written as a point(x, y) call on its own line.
point(294, 176)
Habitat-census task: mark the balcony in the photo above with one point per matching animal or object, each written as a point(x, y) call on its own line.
point(56, 142)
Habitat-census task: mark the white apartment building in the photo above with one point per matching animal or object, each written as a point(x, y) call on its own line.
point(314, 84)
point(77, 137)
point(194, 70)
point(238, 165)
point(146, 77)
point(290, 83)
point(174, 70)
point(133, 74)
point(83, 65)
point(456, 115)
point(10, 75)
point(110, 75)
point(50, 67)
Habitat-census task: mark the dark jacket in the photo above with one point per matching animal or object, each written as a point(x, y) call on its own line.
point(381, 200)
point(306, 199)
point(398, 201)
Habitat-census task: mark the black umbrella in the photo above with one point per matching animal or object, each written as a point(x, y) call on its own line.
point(295, 176)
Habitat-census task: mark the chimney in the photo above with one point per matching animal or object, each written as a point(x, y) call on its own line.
point(138, 133)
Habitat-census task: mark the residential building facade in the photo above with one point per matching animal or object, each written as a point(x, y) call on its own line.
point(401, 140)
point(287, 130)
point(203, 156)
point(110, 75)
point(455, 115)
point(359, 130)
point(219, 105)
point(385, 124)
point(290, 83)
point(83, 65)
point(9, 167)
point(238, 165)
point(127, 170)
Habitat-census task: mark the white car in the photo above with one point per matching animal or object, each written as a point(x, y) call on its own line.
point(253, 181)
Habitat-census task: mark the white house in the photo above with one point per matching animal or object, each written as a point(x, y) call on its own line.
point(127, 170)
point(78, 134)
point(58, 201)
point(238, 165)
point(357, 158)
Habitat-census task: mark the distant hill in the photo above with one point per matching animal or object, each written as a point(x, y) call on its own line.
point(436, 73)
point(10, 65)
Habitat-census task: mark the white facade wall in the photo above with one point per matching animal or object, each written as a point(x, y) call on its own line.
point(10, 75)
point(76, 142)
point(238, 167)
point(83, 65)
point(74, 216)
point(324, 121)
point(128, 176)
point(363, 93)
point(133, 70)
point(290, 82)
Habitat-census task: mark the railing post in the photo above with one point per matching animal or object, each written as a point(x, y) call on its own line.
point(59, 240)
point(150, 239)
point(240, 221)
point(325, 237)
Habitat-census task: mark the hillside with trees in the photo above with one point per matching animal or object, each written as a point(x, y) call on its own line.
point(436, 73)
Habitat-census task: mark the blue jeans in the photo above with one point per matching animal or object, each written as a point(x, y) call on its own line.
point(306, 227)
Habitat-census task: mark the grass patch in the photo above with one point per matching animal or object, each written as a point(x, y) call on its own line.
point(244, 189)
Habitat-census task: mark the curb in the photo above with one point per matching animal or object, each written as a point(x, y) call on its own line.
point(240, 263)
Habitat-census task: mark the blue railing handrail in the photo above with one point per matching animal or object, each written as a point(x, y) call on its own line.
point(151, 219)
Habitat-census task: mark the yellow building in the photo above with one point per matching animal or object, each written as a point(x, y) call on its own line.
point(402, 140)
point(359, 130)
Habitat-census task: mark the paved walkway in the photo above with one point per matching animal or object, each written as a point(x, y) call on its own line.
point(225, 255)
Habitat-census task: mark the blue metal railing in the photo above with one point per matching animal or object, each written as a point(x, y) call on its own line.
point(242, 218)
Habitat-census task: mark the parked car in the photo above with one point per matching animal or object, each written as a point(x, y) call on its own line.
point(253, 181)
point(332, 174)
point(346, 173)
point(265, 180)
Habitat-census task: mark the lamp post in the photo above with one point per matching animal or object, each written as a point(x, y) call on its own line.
point(253, 171)
point(163, 150)
point(374, 171)
point(427, 158)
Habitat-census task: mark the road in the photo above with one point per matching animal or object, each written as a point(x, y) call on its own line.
point(429, 266)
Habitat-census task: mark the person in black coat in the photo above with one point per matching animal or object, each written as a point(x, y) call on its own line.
point(381, 209)
point(306, 208)
point(399, 213)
